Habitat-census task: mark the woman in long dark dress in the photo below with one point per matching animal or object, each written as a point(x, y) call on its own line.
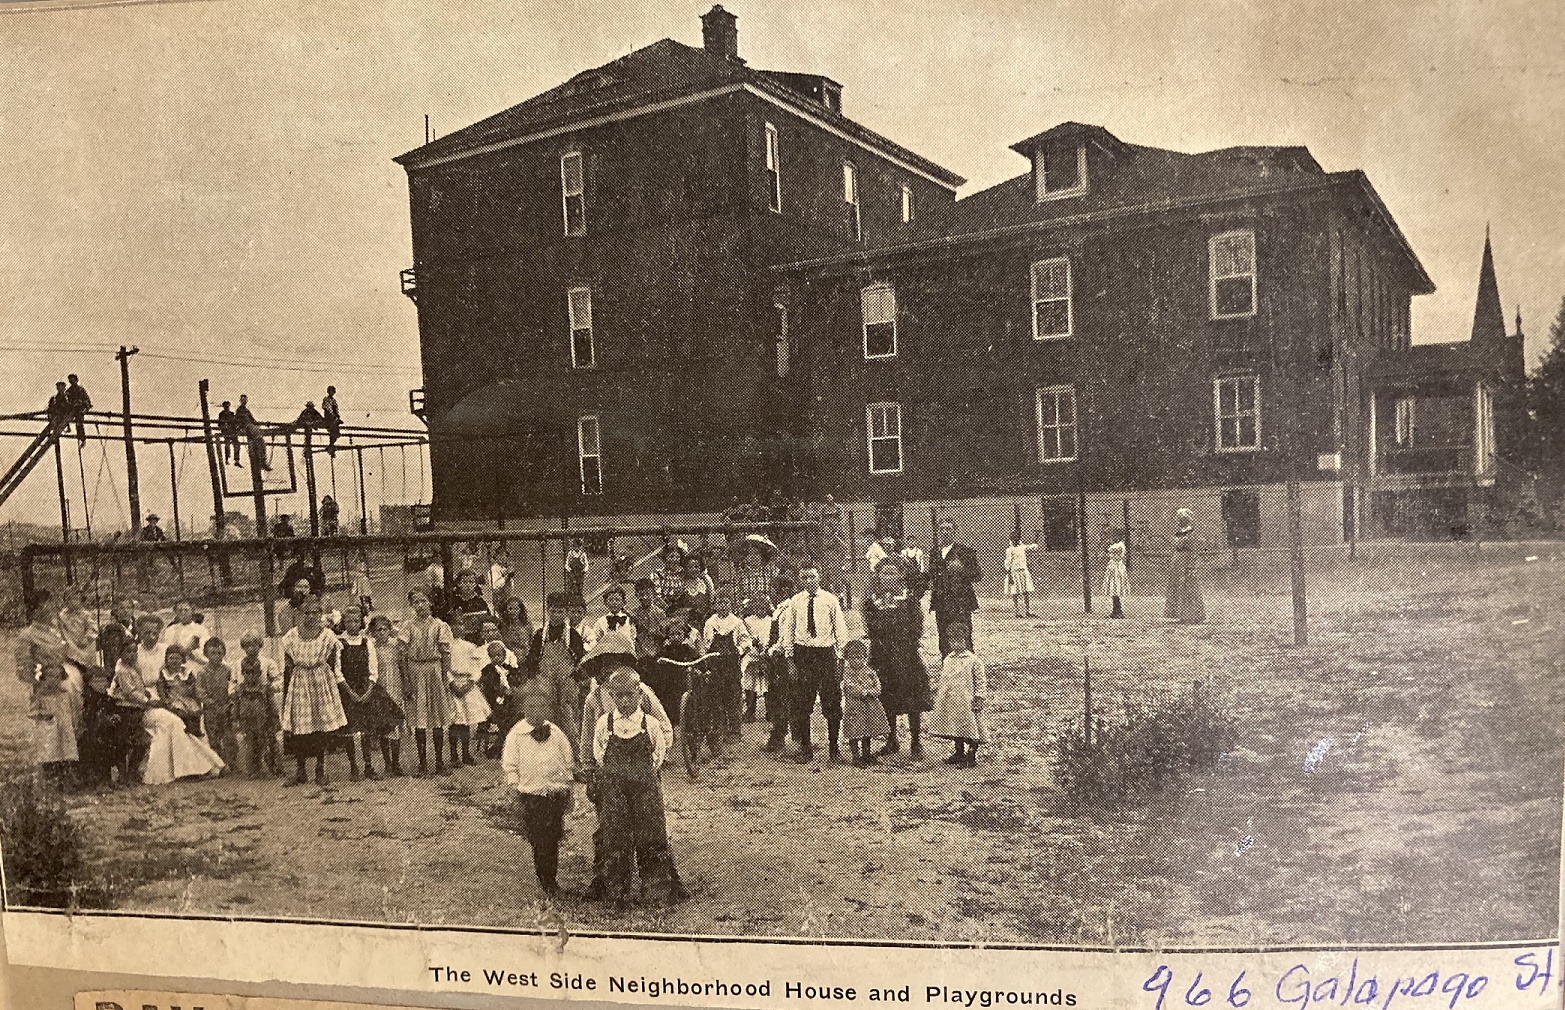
point(1184, 602)
point(894, 622)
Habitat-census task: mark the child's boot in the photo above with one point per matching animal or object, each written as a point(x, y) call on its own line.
point(394, 762)
point(749, 706)
point(369, 765)
point(353, 762)
point(440, 751)
point(421, 740)
point(1117, 611)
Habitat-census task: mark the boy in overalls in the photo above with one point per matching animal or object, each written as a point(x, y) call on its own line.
point(629, 747)
point(556, 650)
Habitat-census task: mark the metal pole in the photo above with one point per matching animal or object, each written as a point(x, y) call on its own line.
point(1081, 541)
point(1301, 634)
point(364, 527)
point(1125, 533)
point(262, 531)
point(173, 483)
point(132, 478)
point(309, 481)
point(65, 508)
point(219, 517)
point(65, 505)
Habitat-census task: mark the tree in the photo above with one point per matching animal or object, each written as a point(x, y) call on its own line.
point(1545, 449)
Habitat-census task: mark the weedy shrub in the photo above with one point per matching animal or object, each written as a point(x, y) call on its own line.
point(1150, 748)
point(45, 861)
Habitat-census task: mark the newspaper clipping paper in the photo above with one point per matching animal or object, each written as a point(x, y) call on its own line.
point(965, 506)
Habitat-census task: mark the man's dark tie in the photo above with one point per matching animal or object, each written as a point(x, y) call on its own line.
point(809, 609)
point(617, 621)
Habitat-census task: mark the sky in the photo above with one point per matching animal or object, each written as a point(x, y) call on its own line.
point(211, 180)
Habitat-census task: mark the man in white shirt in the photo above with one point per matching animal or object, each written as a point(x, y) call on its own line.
point(185, 630)
point(814, 630)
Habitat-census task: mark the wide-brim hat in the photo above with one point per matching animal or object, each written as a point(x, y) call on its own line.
point(767, 547)
point(612, 650)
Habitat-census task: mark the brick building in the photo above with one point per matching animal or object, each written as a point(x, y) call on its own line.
point(676, 281)
point(592, 275)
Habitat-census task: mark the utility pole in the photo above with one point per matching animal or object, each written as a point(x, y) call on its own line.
point(132, 481)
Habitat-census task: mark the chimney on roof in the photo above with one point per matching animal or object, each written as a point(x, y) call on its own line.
point(720, 33)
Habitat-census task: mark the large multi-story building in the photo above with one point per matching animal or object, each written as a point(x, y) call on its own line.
point(592, 275)
point(676, 281)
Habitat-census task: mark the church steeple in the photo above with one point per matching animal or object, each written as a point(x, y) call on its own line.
point(1488, 313)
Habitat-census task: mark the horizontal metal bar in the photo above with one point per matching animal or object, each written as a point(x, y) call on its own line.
point(307, 543)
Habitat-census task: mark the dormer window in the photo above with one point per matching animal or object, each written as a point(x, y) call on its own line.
point(1060, 170)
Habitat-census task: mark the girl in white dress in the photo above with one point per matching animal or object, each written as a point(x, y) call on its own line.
point(468, 706)
point(959, 701)
point(1018, 577)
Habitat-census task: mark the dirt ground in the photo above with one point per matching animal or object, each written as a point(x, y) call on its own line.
point(1431, 816)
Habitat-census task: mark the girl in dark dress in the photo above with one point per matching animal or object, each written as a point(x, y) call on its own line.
point(371, 712)
point(894, 622)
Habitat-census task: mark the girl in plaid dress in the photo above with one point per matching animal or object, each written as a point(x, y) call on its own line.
point(312, 707)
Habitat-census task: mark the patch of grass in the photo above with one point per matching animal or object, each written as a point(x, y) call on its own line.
point(45, 853)
point(1151, 748)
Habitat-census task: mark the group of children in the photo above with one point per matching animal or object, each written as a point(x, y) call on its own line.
point(571, 700)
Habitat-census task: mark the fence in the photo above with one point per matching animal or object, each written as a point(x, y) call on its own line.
point(1242, 545)
point(237, 583)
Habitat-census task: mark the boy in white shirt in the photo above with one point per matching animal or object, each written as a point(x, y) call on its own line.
point(540, 766)
point(726, 637)
point(617, 620)
point(629, 748)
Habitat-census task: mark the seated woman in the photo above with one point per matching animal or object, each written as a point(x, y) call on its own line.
point(171, 752)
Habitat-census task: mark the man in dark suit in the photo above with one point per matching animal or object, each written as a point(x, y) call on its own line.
point(953, 570)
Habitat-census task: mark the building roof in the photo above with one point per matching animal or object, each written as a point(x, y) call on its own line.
point(661, 72)
point(1141, 180)
point(1488, 314)
point(1141, 176)
point(1421, 361)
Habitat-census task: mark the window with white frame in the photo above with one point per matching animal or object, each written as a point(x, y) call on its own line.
point(885, 437)
point(573, 193)
point(880, 321)
point(589, 449)
point(583, 352)
point(1483, 433)
point(773, 170)
point(1051, 299)
point(1406, 418)
point(907, 204)
point(850, 196)
point(1232, 259)
point(1057, 424)
point(1061, 170)
point(1236, 401)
